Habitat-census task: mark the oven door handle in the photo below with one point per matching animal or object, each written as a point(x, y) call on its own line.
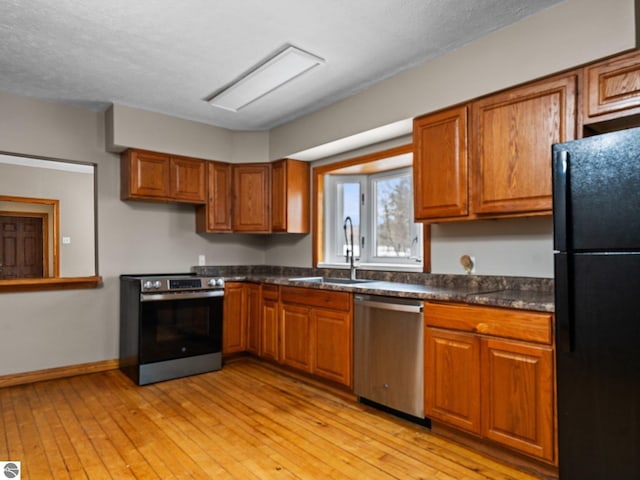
point(158, 297)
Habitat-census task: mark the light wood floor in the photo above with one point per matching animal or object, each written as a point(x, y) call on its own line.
point(246, 421)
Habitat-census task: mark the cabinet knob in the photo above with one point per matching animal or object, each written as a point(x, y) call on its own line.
point(482, 328)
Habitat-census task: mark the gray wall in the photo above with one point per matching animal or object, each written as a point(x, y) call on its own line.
point(569, 34)
point(51, 329)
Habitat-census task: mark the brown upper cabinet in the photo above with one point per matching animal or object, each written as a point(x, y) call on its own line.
point(612, 90)
point(215, 215)
point(510, 141)
point(256, 198)
point(491, 158)
point(161, 177)
point(290, 196)
point(440, 165)
point(252, 197)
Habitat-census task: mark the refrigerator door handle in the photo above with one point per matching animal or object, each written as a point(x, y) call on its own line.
point(563, 302)
point(560, 200)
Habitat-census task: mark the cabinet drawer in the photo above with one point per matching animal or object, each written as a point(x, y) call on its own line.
point(612, 86)
point(317, 298)
point(498, 322)
point(270, 292)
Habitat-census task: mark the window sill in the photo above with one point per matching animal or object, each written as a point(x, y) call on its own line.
point(42, 284)
point(386, 267)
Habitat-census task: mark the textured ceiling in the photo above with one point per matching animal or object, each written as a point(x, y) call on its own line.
point(168, 56)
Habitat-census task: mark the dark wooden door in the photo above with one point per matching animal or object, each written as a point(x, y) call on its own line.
point(21, 247)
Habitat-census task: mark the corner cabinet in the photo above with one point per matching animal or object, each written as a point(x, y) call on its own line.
point(290, 196)
point(251, 198)
point(215, 215)
point(161, 177)
point(490, 372)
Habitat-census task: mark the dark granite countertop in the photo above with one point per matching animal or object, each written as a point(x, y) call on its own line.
point(524, 293)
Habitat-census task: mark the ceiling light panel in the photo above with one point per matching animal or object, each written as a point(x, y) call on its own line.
point(276, 71)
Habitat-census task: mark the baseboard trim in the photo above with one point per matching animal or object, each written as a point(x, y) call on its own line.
point(55, 373)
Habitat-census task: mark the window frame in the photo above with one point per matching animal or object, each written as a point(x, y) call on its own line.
point(381, 161)
point(366, 218)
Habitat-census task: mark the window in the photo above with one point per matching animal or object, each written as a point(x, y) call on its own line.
point(377, 195)
point(380, 207)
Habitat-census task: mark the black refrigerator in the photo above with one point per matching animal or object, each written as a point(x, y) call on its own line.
point(596, 219)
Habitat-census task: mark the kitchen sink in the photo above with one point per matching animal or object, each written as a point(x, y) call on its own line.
point(330, 280)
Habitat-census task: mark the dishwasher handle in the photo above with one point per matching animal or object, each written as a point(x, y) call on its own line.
point(396, 307)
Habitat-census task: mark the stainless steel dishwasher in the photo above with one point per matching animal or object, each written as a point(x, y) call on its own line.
point(388, 349)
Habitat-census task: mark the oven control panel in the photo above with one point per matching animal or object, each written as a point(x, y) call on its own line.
point(189, 283)
point(176, 284)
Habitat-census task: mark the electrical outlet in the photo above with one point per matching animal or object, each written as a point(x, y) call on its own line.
point(202, 261)
point(66, 240)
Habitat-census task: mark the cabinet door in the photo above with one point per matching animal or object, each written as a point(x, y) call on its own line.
point(235, 318)
point(518, 385)
point(295, 337)
point(145, 175)
point(511, 143)
point(332, 347)
point(187, 180)
point(440, 165)
point(252, 195)
point(269, 330)
point(290, 196)
point(279, 196)
point(612, 88)
point(452, 378)
point(215, 216)
point(254, 312)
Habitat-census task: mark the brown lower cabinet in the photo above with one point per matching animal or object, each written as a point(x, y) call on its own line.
point(235, 318)
point(306, 329)
point(452, 378)
point(316, 332)
point(295, 337)
point(269, 323)
point(496, 388)
point(254, 315)
point(517, 384)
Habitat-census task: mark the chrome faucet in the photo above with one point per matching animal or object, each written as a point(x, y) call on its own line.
point(349, 241)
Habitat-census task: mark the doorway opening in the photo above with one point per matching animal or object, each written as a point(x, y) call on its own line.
point(28, 238)
point(21, 246)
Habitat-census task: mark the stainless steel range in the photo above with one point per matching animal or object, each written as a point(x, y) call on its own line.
point(170, 326)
